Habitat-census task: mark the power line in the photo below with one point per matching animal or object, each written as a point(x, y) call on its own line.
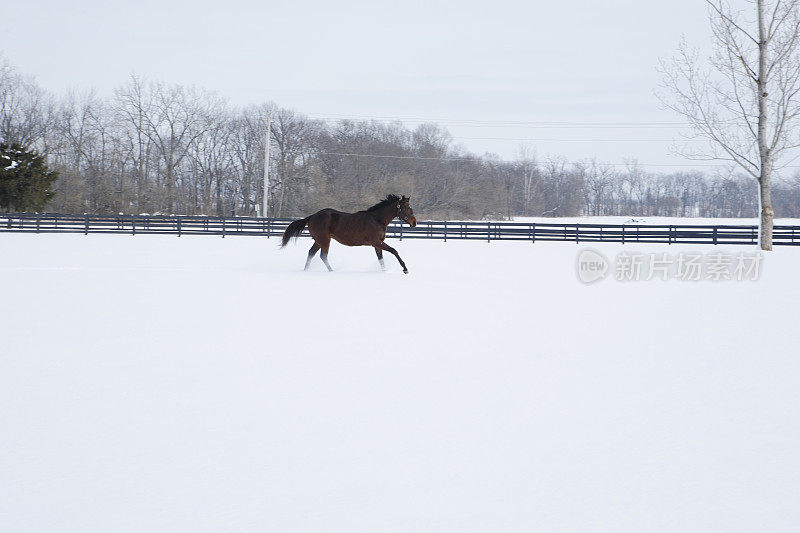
point(475, 123)
point(578, 140)
point(348, 154)
point(527, 124)
point(539, 126)
point(477, 159)
point(336, 117)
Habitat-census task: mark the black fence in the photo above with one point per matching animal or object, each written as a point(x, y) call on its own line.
point(487, 231)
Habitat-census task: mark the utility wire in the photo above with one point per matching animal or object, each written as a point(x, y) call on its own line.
point(498, 123)
point(478, 159)
point(579, 140)
point(538, 125)
point(475, 123)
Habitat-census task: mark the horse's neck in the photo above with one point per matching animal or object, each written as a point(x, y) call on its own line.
point(387, 214)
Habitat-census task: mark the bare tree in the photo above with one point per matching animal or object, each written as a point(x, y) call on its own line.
point(291, 134)
point(597, 180)
point(247, 144)
point(211, 164)
point(132, 105)
point(172, 118)
point(26, 110)
point(530, 175)
point(744, 99)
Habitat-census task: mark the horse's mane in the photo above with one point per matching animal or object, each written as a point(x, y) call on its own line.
point(383, 203)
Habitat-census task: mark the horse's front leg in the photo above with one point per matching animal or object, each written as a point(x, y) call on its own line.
point(391, 250)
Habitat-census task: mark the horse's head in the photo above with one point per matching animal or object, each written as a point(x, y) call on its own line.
point(405, 213)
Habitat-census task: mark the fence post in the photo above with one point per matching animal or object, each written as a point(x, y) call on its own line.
point(669, 235)
point(715, 235)
point(86, 229)
point(623, 234)
point(38, 215)
point(223, 227)
point(179, 226)
point(488, 232)
point(577, 233)
point(445, 231)
point(533, 231)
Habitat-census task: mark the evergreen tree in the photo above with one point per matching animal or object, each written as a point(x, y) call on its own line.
point(25, 181)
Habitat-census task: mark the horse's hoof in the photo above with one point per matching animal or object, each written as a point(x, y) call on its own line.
point(405, 271)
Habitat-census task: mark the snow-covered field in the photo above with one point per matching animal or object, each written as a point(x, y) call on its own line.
point(198, 384)
point(655, 220)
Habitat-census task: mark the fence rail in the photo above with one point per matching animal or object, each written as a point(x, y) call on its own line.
point(488, 231)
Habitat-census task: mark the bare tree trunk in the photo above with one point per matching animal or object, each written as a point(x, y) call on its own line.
point(170, 204)
point(220, 210)
point(280, 201)
point(765, 196)
point(767, 214)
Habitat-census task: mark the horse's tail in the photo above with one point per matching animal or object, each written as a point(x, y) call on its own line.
point(294, 230)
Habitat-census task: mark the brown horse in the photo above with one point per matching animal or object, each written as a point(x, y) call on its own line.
point(364, 228)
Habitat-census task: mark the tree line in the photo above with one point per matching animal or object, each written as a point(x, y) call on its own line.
point(158, 148)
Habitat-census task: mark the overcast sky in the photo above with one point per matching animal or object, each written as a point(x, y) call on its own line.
point(581, 61)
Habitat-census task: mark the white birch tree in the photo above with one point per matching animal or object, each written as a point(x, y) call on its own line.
point(744, 98)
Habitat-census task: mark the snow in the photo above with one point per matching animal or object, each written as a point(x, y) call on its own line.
point(13, 163)
point(157, 383)
point(656, 220)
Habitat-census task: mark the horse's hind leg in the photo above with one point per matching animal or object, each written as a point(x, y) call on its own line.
point(379, 252)
point(311, 252)
point(323, 254)
point(318, 228)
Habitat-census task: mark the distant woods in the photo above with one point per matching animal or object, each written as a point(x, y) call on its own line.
point(156, 148)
